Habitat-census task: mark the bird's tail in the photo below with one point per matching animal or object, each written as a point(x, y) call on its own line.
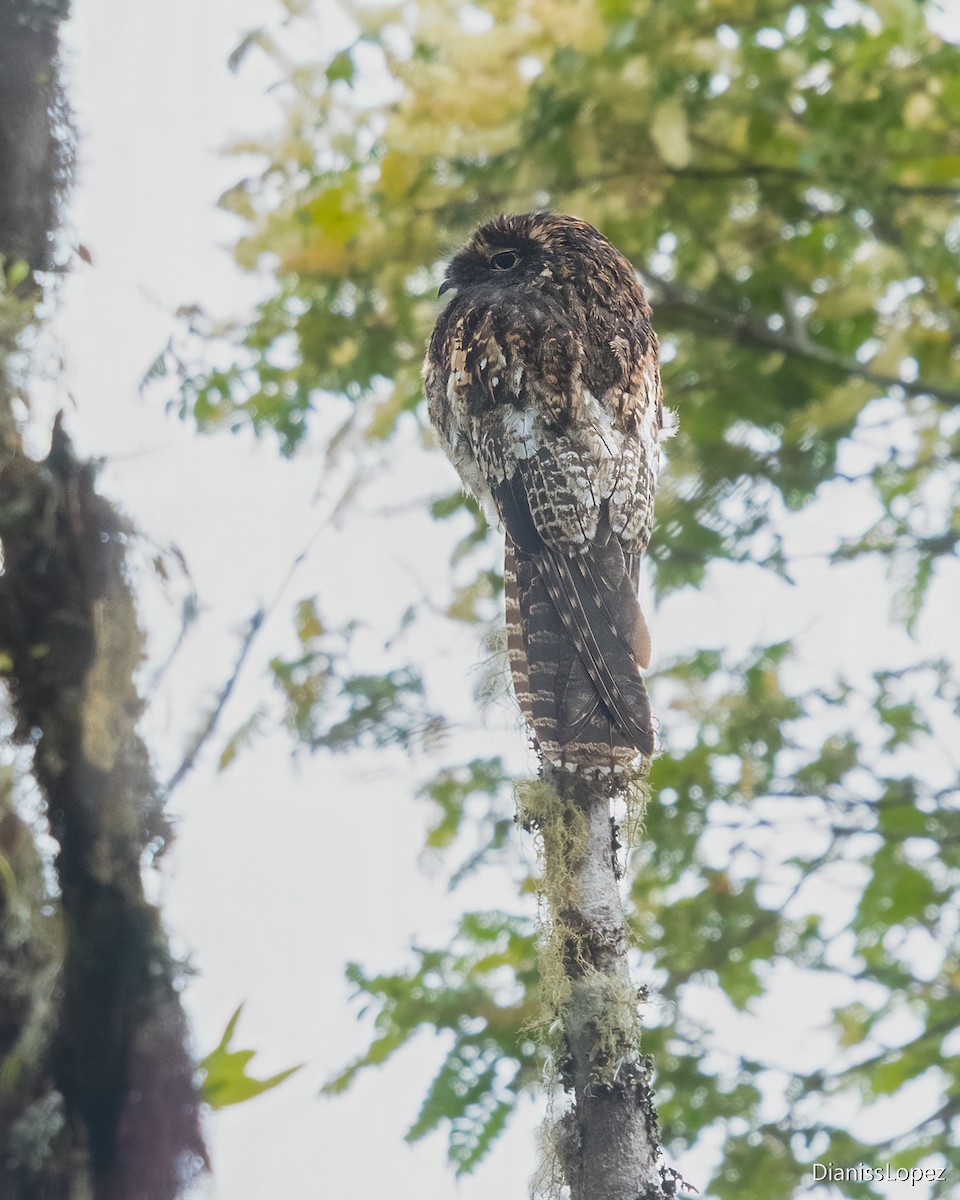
point(577, 640)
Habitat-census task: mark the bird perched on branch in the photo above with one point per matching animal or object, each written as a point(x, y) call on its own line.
point(543, 385)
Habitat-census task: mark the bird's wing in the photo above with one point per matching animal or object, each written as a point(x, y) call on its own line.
point(595, 609)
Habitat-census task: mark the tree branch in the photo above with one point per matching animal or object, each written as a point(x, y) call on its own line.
point(209, 727)
point(254, 626)
point(748, 331)
point(745, 169)
point(608, 1143)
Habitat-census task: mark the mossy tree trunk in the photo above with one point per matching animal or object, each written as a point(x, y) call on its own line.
point(608, 1143)
point(97, 1099)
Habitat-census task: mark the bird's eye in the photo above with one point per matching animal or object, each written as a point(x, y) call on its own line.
point(506, 260)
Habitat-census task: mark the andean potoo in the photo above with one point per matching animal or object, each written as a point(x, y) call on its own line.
point(543, 385)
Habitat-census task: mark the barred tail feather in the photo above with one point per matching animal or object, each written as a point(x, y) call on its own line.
point(516, 647)
point(574, 666)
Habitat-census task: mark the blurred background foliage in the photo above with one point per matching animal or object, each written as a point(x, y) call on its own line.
point(785, 176)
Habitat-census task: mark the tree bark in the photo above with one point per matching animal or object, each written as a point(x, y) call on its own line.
point(608, 1142)
point(34, 151)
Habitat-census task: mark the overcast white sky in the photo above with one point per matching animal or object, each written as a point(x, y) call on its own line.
point(280, 876)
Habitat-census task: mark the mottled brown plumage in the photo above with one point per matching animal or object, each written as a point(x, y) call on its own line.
point(543, 386)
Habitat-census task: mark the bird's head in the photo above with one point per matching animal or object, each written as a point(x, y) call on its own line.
point(537, 251)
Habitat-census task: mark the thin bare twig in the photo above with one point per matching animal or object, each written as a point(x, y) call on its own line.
point(209, 727)
point(254, 626)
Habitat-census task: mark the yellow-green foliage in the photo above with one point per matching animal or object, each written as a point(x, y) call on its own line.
point(30, 946)
point(16, 313)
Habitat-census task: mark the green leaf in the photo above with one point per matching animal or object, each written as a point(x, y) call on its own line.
point(341, 67)
point(224, 1078)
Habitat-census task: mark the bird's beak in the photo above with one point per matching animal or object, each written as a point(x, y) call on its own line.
point(444, 287)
